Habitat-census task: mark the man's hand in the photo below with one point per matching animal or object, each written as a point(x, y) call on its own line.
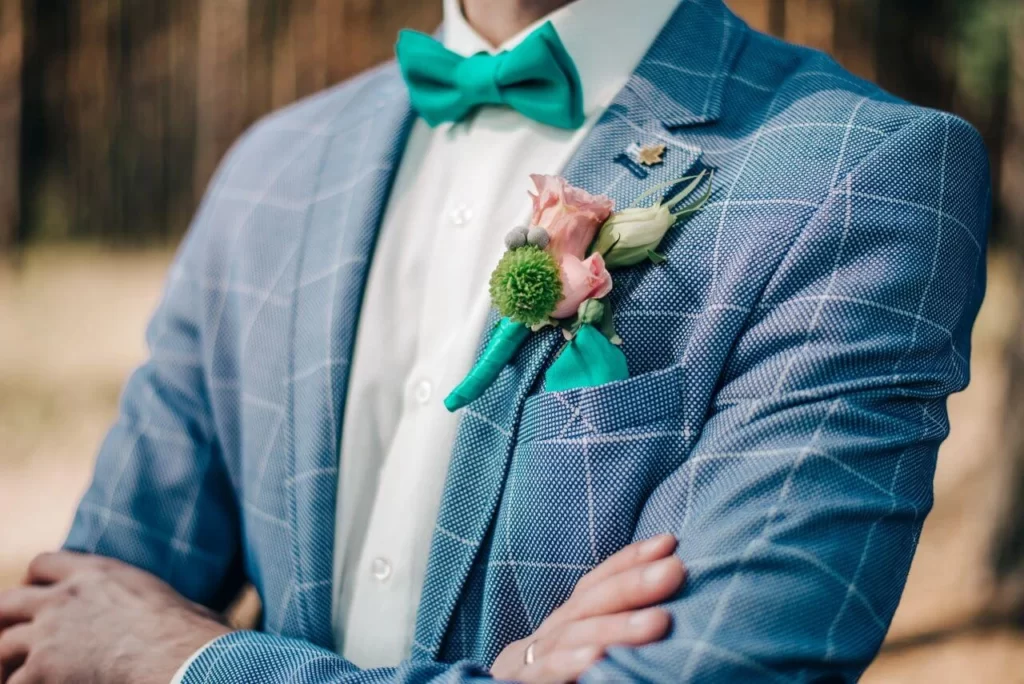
point(610, 606)
point(85, 618)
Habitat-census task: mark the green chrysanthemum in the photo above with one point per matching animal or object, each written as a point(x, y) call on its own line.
point(526, 285)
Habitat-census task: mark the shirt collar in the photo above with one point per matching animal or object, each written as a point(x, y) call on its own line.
point(606, 38)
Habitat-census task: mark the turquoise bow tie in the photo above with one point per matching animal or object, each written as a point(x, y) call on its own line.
point(536, 78)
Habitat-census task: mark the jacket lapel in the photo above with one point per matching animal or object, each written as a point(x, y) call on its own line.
point(664, 95)
point(359, 158)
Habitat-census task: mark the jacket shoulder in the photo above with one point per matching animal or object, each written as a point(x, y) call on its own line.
point(319, 116)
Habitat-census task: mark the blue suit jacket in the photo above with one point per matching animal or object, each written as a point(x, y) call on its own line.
point(789, 366)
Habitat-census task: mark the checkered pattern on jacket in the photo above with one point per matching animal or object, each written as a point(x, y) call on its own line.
point(789, 366)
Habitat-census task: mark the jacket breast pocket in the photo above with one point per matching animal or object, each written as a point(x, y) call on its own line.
point(584, 463)
point(647, 400)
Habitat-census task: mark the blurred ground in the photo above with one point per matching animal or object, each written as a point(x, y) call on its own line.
point(71, 323)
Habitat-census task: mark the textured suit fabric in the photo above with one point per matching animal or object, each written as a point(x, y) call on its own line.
point(790, 365)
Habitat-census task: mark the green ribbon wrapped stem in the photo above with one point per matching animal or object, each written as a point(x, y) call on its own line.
point(502, 347)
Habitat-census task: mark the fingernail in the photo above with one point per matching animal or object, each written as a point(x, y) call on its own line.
point(656, 573)
point(655, 544)
point(643, 618)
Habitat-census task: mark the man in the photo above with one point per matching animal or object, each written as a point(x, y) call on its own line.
point(789, 365)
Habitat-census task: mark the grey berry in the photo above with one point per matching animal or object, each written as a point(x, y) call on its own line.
point(538, 237)
point(516, 238)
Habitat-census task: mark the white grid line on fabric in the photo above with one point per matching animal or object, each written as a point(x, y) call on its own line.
point(255, 510)
point(817, 315)
point(828, 571)
point(924, 207)
point(333, 270)
point(224, 287)
point(107, 509)
point(282, 611)
point(250, 398)
point(575, 412)
point(616, 438)
point(722, 45)
point(591, 527)
point(258, 309)
point(701, 646)
point(867, 302)
point(155, 433)
point(264, 458)
point(769, 112)
point(782, 128)
point(292, 480)
point(314, 369)
point(935, 421)
point(245, 217)
point(304, 204)
point(769, 517)
point(507, 536)
point(764, 202)
point(846, 140)
point(829, 640)
point(476, 415)
point(344, 221)
point(179, 545)
point(830, 635)
point(223, 653)
point(452, 535)
point(575, 567)
point(939, 230)
point(706, 563)
point(815, 453)
point(711, 76)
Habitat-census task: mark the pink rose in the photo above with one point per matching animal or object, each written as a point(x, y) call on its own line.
point(581, 280)
point(569, 214)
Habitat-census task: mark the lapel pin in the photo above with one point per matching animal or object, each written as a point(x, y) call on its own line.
point(648, 155)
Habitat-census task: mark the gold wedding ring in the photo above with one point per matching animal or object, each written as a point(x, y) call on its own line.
point(528, 653)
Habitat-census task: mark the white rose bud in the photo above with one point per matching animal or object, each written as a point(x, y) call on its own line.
point(628, 236)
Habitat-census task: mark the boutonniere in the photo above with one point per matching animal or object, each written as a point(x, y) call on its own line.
point(555, 272)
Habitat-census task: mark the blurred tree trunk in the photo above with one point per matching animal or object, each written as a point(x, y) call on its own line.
point(810, 23)
point(855, 32)
point(1009, 548)
point(93, 77)
point(10, 118)
point(221, 85)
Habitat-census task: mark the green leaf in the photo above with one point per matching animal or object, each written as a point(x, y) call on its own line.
point(655, 257)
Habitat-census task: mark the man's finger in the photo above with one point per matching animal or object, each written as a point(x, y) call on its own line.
point(562, 666)
point(15, 643)
point(638, 587)
point(636, 628)
point(627, 557)
point(20, 604)
point(50, 568)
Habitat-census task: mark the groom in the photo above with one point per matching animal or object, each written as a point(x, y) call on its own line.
point(789, 366)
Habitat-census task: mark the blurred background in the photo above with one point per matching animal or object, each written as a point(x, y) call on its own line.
point(114, 113)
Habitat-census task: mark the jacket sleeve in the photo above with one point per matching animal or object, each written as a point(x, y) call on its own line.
point(244, 657)
point(161, 497)
point(799, 509)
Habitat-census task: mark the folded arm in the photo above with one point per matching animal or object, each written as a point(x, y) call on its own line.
point(161, 496)
point(800, 507)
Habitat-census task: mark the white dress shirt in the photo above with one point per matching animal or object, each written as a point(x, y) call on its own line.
point(460, 188)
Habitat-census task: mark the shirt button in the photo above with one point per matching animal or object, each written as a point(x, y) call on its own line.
point(423, 391)
point(461, 215)
point(381, 569)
